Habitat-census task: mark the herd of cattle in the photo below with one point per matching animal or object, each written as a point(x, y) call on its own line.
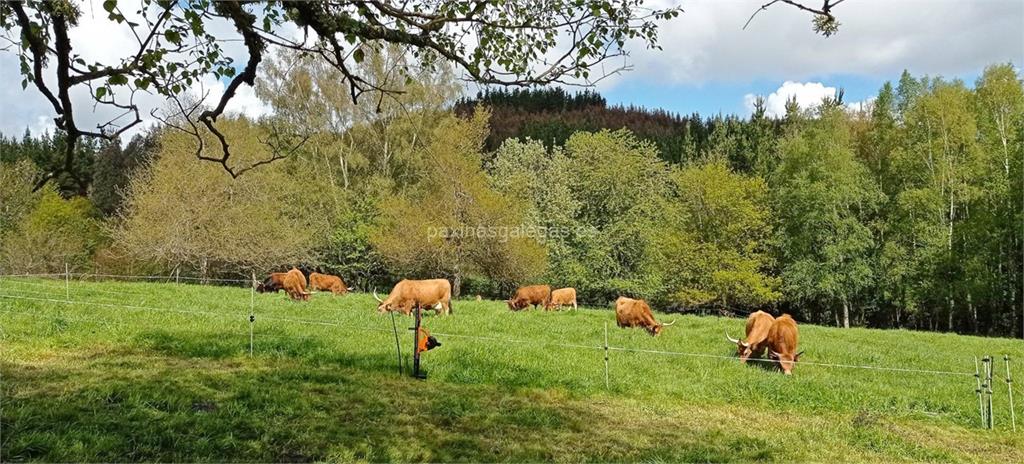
point(777, 336)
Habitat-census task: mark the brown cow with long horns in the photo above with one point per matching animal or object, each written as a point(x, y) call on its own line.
point(409, 294)
point(294, 285)
point(636, 313)
point(782, 340)
point(758, 325)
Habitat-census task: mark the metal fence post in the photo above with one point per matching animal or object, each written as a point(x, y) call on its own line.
point(416, 347)
point(607, 383)
point(1009, 390)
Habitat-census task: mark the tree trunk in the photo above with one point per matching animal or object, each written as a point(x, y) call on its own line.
point(973, 311)
point(456, 284)
point(846, 314)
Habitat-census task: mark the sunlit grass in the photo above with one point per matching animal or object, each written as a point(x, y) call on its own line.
point(161, 371)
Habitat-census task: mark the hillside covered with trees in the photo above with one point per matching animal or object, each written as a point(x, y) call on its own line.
point(905, 214)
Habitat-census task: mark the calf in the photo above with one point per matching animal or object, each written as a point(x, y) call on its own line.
point(563, 296)
point(636, 313)
point(327, 282)
point(273, 283)
point(536, 295)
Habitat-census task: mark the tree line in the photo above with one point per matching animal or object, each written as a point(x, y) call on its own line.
point(906, 213)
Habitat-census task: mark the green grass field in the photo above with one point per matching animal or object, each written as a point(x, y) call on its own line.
point(107, 382)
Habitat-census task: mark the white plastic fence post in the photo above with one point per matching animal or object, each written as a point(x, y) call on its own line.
point(1009, 389)
point(67, 283)
point(252, 309)
point(979, 390)
point(607, 383)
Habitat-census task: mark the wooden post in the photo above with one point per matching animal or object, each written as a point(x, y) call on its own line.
point(981, 401)
point(607, 383)
point(416, 347)
point(1009, 389)
point(252, 310)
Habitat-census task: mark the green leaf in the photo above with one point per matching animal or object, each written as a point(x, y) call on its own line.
point(109, 5)
point(117, 79)
point(358, 55)
point(172, 36)
point(101, 92)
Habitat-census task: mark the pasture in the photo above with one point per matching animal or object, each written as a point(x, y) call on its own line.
point(161, 372)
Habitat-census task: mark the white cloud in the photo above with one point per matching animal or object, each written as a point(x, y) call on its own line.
point(96, 38)
point(808, 95)
point(878, 38)
point(244, 102)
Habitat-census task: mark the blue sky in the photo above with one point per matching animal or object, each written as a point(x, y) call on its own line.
point(728, 97)
point(725, 97)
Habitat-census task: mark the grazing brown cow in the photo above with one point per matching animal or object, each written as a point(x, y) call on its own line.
point(295, 285)
point(408, 294)
point(758, 325)
point(536, 295)
point(327, 282)
point(273, 283)
point(563, 296)
point(636, 313)
point(782, 340)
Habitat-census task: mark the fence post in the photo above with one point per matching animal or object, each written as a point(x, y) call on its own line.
point(1009, 390)
point(252, 309)
point(416, 347)
point(991, 414)
point(67, 283)
point(398, 346)
point(981, 402)
point(607, 383)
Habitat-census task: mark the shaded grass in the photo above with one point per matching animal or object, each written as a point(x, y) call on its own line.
point(105, 383)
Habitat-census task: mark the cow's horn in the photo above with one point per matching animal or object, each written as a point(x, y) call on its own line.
point(377, 297)
point(731, 340)
point(668, 323)
point(776, 354)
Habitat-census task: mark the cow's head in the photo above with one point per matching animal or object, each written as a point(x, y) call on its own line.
point(786, 361)
point(383, 306)
point(514, 305)
point(655, 329)
point(743, 349)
